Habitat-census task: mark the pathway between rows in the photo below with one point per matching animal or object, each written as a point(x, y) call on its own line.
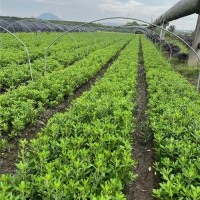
point(141, 189)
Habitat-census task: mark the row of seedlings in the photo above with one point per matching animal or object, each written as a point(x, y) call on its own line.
point(84, 153)
point(16, 74)
point(174, 110)
point(23, 105)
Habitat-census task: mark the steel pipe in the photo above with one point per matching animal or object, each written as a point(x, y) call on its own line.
point(181, 9)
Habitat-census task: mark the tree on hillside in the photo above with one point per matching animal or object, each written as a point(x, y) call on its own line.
point(134, 23)
point(172, 28)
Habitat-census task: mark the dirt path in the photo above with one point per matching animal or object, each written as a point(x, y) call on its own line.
point(142, 188)
point(9, 157)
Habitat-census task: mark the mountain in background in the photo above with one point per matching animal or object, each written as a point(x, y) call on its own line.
point(48, 16)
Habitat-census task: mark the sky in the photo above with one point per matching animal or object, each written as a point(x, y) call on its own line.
point(89, 10)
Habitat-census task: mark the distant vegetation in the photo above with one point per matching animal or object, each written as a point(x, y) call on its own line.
point(134, 23)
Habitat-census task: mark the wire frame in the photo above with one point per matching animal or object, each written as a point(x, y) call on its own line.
point(125, 18)
point(26, 48)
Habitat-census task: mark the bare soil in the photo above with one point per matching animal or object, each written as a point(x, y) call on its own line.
point(141, 188)
point(9, 156)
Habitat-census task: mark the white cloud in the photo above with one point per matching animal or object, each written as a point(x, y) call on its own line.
point(131, 8)
point(119, 6)
point(56, 2)
point(88, 10)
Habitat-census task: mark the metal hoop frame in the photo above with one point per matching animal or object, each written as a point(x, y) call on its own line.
point(85, 24)
point(170, 56)
point(126, 18)
point(26, 48)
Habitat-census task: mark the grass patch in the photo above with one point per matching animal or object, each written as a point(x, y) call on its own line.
point(190, 73)
point(178, 43)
